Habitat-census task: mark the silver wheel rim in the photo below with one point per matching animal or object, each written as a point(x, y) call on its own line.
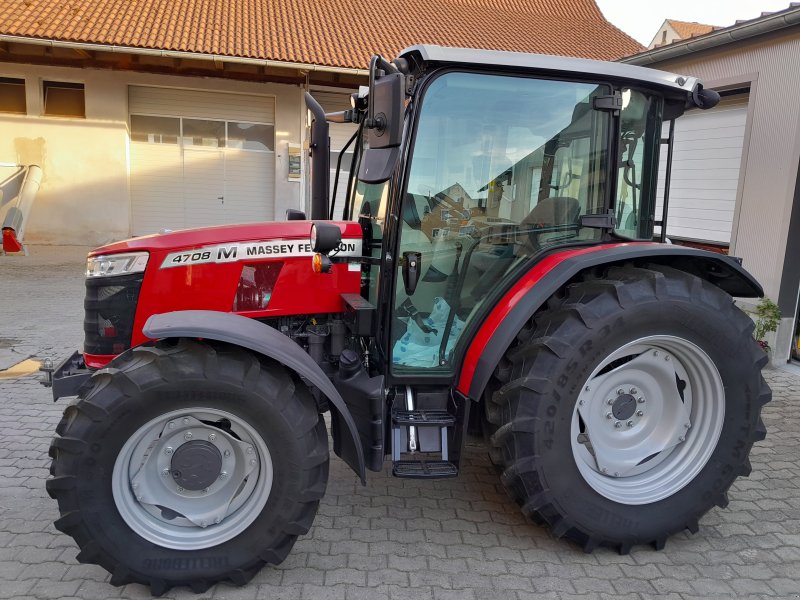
point(153, 500)
point(648, 419)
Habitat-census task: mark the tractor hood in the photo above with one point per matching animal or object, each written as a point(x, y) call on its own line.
point(185, 239)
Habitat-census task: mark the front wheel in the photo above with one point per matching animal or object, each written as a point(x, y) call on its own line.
point(629, 407)
point(189, 464)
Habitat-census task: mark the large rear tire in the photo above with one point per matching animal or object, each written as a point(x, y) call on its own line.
point(627, 409)
point(188, 464)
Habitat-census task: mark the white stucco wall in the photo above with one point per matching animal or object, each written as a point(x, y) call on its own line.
point(84, 197)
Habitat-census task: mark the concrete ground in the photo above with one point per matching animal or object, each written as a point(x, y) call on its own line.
point(459, 539)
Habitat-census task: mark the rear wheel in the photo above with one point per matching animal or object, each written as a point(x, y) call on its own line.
point(628, 408)
point(189, 464)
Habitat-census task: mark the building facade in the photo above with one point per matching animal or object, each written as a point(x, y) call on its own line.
point(735, 167)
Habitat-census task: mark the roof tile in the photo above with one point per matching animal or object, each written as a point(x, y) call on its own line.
point(340, 33)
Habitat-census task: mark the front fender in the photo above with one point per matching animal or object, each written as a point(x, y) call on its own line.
point(255, 336)
point(555, 270)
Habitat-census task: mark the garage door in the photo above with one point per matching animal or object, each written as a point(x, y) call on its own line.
point(340, 133)
point(200, 158)
point(705, 171)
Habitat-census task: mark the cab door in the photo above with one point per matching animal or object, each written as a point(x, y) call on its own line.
point(502, 167)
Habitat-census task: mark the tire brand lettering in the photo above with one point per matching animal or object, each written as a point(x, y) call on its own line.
point(185, 564)
point(234, 252)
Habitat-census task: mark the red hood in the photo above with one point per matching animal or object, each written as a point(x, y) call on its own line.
point(202, 236)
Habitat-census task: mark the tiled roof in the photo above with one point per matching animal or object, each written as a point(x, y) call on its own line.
point(340, 33)
point(687, 29)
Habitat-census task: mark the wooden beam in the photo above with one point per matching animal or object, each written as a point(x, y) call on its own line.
point(4, 48)
point(83, 53)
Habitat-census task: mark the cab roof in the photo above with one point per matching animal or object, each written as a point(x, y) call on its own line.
point(668, 82)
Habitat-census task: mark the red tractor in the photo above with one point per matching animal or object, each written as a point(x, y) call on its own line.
point(499, 265)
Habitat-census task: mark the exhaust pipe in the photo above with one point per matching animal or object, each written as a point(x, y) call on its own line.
point(320, 160)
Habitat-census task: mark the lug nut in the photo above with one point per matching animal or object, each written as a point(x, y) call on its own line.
point(666, 358)
point(587, 388)
point(580, 402)
point(687, 425)
point(609, 416)
point(604, 470)
point(640, 400)
point(168, 450)
point(139, 498)
point(639, 413)
point(180, 489)
point(217, 519)
point(252, 461)
point(187, 435)
point(629, 423)
point(223, 475)
point(212, 437)
point(610, 401)
point(186, 420)
point(634, 391)
point(249, 449)
point(681, 438)
point(171, 425)
point(227, 453)
point(205, 490)
point(617, 424)
point(655, 352)
point(165, 473)
point(620, 391)
point(616, 474)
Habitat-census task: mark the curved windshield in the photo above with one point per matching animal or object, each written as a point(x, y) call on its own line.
point(503, 167)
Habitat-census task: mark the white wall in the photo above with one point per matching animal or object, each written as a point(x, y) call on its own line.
point(84, 197)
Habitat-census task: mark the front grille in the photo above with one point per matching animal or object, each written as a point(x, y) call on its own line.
point(109, 309)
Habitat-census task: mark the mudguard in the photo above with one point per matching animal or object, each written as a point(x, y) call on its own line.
point(251, 334)
point(551, 273)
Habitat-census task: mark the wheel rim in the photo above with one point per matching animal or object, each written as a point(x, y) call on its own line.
point(192, 479)
point(648, 419)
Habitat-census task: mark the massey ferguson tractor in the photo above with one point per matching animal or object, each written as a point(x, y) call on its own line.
point(500, 267)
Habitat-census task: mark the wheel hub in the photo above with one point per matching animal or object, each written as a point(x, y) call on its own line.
point(196, 465)
point(623, 407)
point(632, 419)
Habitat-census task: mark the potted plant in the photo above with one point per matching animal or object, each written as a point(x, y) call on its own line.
point(768, 316)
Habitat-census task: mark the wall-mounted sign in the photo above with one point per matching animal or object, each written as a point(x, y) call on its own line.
point(295, 162)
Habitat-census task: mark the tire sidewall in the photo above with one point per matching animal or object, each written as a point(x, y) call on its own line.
point(705, 326)
point(106, 440)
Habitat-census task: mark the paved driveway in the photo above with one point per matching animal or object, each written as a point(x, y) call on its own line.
point(459, 539)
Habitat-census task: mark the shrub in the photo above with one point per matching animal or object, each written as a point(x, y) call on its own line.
point(768, 316)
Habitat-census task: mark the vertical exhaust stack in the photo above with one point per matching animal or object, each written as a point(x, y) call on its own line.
point(320, 160)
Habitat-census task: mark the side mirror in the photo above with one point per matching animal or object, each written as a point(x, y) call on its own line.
point(386, 109)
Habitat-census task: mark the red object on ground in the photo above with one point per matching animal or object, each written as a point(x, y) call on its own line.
point(10, 241)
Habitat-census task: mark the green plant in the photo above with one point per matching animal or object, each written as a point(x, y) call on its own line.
point(768, 316)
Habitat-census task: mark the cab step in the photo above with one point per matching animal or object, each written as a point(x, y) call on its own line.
point(422, 469)
point(423, 418)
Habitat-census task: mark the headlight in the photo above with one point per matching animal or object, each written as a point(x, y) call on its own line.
point(109, 265)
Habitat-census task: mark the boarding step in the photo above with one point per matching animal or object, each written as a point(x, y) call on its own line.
point(421, 469)
point(423, 418)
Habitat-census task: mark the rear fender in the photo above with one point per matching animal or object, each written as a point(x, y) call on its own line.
point(263, 339)
point(555, 270)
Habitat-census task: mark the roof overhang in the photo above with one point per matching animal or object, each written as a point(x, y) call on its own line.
point(735, 33)
point(178, 54)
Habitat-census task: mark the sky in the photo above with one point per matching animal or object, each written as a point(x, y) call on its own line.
point(641, 18)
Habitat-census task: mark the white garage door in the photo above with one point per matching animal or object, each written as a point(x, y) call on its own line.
point(200, 158)
point(339, 133)
point(705, 171)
